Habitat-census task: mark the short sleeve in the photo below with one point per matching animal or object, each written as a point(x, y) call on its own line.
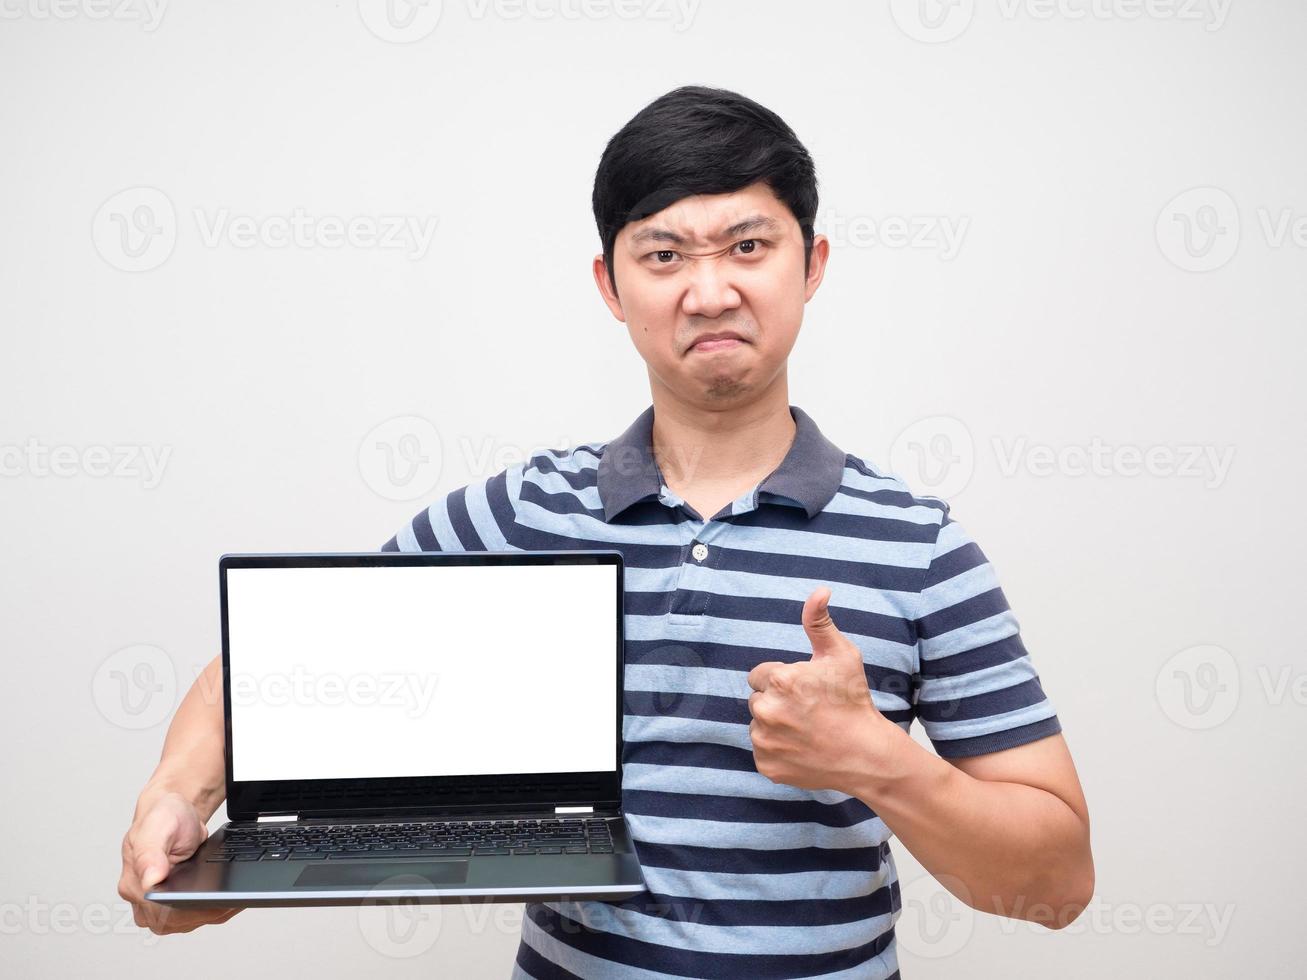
point(976, 690)
point(480, 516)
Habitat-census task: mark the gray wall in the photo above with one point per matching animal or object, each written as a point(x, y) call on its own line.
point(1098, 364)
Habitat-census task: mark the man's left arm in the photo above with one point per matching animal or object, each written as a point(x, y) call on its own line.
point(1005, 830)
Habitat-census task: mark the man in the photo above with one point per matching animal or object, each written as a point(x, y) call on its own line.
point(790, 610)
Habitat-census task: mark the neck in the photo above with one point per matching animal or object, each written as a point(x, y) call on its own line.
point(696, 445)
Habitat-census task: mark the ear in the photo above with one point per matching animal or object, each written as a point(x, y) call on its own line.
point(816, 266)
point(606, 290)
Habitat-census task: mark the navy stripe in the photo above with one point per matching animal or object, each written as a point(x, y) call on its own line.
point(558, 503)
point(954, 748)
point(892, 498)
point(953, 564)
point(540, 968)
point(733, 809)
point(635, 555)
point(706, 707)
point(859, 526)
point(964, 613)
point(679, 704)
point(701, 755)
point(746, 860)
point(691, 963)
point(767, 610)
point(461, 521)
point(728, 656)
point(426, 537)
point(728, 912)
point(583, 479)
point(501, 507)
point(981, 705)
point(977, 658)
point(830, 570)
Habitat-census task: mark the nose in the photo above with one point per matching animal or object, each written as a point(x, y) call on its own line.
point(709, 291)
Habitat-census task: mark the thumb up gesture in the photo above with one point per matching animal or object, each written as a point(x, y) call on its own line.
point(814, 724)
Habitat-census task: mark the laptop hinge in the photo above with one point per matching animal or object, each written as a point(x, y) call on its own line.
point(279, 818)
point(574, 809)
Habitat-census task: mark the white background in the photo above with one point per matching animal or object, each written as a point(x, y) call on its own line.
point(442, 670)
point(1072, 312)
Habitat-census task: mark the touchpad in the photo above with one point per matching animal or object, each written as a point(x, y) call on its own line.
point(406, 874)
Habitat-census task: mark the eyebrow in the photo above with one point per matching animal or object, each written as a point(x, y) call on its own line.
point(751, 223)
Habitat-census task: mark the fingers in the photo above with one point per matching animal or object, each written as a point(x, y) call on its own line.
point(760, 676)
point(163, 920)
point(168, 833)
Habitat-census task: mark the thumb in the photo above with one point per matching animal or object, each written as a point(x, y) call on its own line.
point(824, 636)
point(153, 867)
point(158, 840)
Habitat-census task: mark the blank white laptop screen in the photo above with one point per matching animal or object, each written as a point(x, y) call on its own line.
point(435, 670)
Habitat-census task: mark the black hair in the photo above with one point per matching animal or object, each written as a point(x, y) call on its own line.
point(698, 140)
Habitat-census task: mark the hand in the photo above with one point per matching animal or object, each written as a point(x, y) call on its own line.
point(165, 832)
point(814, 724)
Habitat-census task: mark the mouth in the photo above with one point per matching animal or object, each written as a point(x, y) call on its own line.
point(723, 340)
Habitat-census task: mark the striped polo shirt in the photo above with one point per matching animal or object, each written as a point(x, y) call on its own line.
point(747, 878)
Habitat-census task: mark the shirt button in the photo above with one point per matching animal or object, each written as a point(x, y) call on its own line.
point(700, 551)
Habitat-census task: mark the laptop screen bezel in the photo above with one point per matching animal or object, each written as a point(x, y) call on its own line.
point(400, 796)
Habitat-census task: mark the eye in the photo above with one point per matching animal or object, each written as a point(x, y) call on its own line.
point(664, 256)
point(750, 246)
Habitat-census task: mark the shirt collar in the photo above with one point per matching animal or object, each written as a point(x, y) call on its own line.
point(809, 474)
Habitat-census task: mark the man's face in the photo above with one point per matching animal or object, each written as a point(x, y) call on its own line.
point(751, 291)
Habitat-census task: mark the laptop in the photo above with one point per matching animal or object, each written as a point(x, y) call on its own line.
point(422, 727)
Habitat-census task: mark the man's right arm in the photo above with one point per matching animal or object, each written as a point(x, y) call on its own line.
point(172, 812)
point(190, 782)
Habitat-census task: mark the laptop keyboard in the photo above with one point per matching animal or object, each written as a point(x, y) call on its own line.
point(343, 842)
